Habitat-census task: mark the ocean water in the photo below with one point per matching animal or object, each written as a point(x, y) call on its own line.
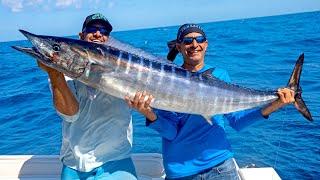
point(259, 53)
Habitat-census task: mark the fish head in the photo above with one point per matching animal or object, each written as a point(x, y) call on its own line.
point(31, 52)
point(62, 54)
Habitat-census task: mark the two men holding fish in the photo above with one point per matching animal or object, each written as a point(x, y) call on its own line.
point(194, 93)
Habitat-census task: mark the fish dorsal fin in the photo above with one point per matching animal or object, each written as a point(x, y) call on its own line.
point(208, 119)
point(208, 73)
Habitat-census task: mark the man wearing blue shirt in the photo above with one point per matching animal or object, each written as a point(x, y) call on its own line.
point(192, 148)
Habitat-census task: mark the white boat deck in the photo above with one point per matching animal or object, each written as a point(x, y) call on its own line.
point(148, 166)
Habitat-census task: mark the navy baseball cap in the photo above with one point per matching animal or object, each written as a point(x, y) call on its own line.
point(97, 17)
point(189, 28)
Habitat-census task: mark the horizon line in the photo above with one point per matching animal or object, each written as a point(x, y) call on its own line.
point(205, 22)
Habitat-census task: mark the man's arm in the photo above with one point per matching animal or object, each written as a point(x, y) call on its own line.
point(63, 99)
point(286, 96)
point(241, 119)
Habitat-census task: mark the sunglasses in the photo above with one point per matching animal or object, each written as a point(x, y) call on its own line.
point(189, 40)
point(92, 29)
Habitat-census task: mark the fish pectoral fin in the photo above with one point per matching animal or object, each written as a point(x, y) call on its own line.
point(208, 119)
point(208, 73)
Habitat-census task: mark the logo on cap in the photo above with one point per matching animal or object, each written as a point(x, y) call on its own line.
point(98, 16)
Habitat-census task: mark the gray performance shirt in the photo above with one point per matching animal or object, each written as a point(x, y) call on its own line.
point(101, 131)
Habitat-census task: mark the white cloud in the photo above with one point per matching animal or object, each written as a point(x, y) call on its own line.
point(20, 5)
point(67, 3)
point(14, 5)
point(33, 2)
point(97, 4)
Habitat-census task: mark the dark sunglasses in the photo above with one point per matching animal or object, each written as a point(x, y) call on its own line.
point(189, 40)
point(102, 30)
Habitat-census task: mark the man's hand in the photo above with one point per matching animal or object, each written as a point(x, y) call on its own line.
point(286, 96)
point(141, 102)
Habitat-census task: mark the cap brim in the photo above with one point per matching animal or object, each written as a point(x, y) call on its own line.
point(106, 24)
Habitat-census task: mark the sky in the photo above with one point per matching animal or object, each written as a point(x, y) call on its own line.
point(65, 17)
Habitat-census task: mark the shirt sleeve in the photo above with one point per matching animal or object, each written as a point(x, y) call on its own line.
point(241, 119)
point(166, 124)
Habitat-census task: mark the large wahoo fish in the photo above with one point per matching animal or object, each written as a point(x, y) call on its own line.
point(119, 69)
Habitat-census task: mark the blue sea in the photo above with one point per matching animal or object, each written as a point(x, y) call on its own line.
point(259, 53)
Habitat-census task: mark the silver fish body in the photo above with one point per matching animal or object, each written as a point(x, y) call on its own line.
point(119, 69)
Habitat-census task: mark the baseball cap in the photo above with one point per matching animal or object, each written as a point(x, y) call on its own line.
point(189, 28)
point(97, 17)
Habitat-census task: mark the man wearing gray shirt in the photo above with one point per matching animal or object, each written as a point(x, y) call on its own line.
point(96, 127)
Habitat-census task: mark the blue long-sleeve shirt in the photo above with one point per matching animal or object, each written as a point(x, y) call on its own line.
point(191, 145)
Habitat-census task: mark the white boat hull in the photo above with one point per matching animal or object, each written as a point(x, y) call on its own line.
point(148, 167)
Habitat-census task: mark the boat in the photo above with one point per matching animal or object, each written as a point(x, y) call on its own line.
point(148, 167)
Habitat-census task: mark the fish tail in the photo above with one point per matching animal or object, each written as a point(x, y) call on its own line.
point(294, 84)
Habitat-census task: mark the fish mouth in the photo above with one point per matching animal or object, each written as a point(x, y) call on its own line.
point(32, 52)
point(42, 51)
point(37, 41)
point(26, 50)
point(31, 37)
point(47, 61)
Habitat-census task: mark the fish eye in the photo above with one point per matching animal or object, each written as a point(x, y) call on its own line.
point(56, 47)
